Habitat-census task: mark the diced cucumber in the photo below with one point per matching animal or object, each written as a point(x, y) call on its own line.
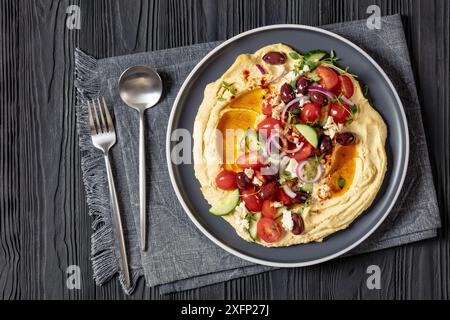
point(252, 229)
point(251, 140)
point(313, 57)
point(308, 188)
point(226, 205)
point(309, 133)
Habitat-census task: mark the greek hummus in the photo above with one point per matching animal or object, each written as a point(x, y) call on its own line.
point(287, 148)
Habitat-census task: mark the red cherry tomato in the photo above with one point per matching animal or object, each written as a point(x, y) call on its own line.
point(269, 230)
point(267, 125)
point(310, 112)
point(303, 153)
point(328, 78)
point(346, 86)
point(266, 109)
point(339, 113)
point(226, 180)
point(251, 200)
point(284, 198)
point(248, 160)
point(267, 210)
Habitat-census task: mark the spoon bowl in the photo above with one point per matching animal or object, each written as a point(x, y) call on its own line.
point(140, 87)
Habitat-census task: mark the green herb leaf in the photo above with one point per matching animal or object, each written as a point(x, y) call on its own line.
point(341, 182)
point(229, 87)
point(354, 109)
point(338, 99)
point(365, 90)
point(294, 55)
point(313, 77)
point(221, 99)
point(285, 176)
point(293, 84)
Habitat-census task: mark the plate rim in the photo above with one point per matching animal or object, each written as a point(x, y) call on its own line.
point(170, 164)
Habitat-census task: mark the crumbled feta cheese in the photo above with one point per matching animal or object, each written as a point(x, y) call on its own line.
point(249, 172)
point(241, 217)
point(323, 191)
point(331, 128)
point(242, 224)
point(257, 182)
point(303, 99)
point(276, 111)
point(276, 204)
point(290, 76)
point(241, 209)
point(286, 220)
point(306, 68)
point(292, 167)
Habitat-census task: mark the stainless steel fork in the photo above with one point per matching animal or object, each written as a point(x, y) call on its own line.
point(104, 137)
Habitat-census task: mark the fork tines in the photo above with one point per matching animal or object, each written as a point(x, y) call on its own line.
point(98, 124)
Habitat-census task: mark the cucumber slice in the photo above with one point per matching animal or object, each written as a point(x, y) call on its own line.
point(226, 205)
point(313, 57)
point(252, 230)
point(251, 140)
point(309, 133)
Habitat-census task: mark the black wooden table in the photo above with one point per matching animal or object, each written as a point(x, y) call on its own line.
point(44, 222)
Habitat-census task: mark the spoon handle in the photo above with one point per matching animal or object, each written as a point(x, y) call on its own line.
point(142, 203)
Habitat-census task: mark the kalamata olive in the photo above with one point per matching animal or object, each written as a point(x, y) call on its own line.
point(275, 57)
point(318, 98)
point(269, 177)
point(345, 138)
point(243, 182)
point(269, 190)
point(325, 145)
point(299, 226)
point(287, 94)
point(302, 85)
point(301, 197)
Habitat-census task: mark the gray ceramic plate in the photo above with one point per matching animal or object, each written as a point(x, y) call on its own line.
point(382, 93)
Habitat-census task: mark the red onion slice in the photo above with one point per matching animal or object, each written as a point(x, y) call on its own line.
point(289, 191)
point(285, 109)
point(282, 73)
point(295, 149)
point(347, 101)
point(322, 90)
point(299, 168)
point(260, 68)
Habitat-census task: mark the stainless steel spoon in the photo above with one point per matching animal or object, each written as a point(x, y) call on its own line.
point(140, 87)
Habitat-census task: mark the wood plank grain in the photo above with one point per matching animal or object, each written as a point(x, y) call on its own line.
point(44, 225)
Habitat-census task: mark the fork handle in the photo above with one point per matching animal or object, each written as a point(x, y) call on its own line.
point(142, 191)
point(117, 221)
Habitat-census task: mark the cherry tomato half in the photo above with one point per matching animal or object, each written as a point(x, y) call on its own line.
point(267, 125)
point(251, 200)
point(328, 78)
point(226, 180)
point(284, 198)
point(339, 113)
point(310, 112)
point(267, 210)
point(303, 153)
point(346, 86)
point(248, 160)
point(269, 230)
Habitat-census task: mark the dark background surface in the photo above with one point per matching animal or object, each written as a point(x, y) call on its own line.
point(44, 222)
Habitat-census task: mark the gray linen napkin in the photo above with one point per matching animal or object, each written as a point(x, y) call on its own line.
point(180, 257)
